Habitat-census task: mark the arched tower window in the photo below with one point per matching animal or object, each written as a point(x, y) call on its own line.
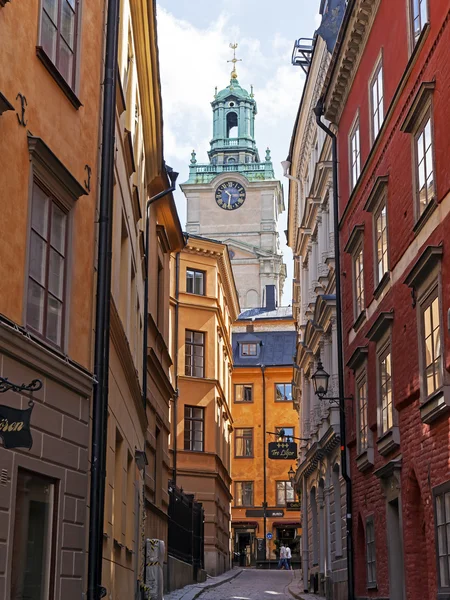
point(232, 125)
point(231, 160)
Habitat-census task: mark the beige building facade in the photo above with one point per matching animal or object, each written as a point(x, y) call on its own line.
point(207, 305)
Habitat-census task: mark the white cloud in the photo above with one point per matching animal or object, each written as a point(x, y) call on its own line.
point(193, 61)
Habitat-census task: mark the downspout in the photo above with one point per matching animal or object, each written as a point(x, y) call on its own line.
point(173, 180)
point(318, 111)
point(305, 541)
point(175, 402)
point(95, 590)
point(263, 369)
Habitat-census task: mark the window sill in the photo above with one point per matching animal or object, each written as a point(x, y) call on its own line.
point(365, 460)
point(389, 441)
point(382, 284)
point(48, 64)
point(240, 457)
point(441, 595)
point(372, 586)
point(426, 214)
point(360, 320)
point(435, 406)
point(244, 402)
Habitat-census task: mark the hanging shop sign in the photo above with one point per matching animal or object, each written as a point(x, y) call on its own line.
point(15, 426)
point(293, 505)
point(283, 450)
point(259, 512)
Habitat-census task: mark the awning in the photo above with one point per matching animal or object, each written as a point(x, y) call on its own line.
point(285, 524)
point(244, 524)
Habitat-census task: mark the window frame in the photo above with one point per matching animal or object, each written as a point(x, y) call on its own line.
point(385, 351)
point(415, 37)
point(241, 346)
point(243, 437)
point(203, 274)
point(361, 380)
point(382, 204)
point(359, 292)
point(53, 524)
point(242, 505)
point(243, 385)
point(284, 384)
point(278, 429)
point(431, 294)
point(379, 66)
point(52, 201)
point(70, 88)
point(285, 492)
point(192, 366)
point(202, 420)
point(441, 490)
point(355, 129)
point(427, 116)
point(371, 557)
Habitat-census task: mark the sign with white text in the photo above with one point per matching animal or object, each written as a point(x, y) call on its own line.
point(283, 450)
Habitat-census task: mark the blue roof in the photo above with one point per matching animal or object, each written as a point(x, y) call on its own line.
point(275, 348)
point(281, 312)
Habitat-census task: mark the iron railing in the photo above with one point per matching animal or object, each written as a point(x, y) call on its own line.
point(186, 528)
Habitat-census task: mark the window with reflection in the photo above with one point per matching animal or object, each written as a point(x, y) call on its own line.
point(194, 428)
point(385, 373)
point(431, 342)
point(243, 392)
point(424, 165)
point(376, 100)
point(285, 493)
point(283, 392)
point(419, 9)
point(243, 439)
point(243, 493)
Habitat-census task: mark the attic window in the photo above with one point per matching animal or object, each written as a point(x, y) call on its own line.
point(249, 349)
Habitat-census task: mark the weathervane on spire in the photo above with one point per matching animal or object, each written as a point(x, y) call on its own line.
point(234, 60)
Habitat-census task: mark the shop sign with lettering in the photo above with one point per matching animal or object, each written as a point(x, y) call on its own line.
point(283, 450)
point(15, 427)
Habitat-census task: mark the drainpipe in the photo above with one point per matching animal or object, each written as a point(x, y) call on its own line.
point(175, 402)
point(263, 369)
point(95, 590)
point(318, 111)
point(173, 180)
point(305, 541)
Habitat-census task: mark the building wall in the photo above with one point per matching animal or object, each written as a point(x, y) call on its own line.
point(411, 472)
point(52, 139)
point(206, 474)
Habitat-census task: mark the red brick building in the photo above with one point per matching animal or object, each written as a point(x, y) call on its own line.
point(387, 95)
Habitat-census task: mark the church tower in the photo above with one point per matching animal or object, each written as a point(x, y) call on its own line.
point(236, 199)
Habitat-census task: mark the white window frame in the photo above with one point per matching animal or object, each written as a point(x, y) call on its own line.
point(358, 281)
point(382, 205)
point(361, 381)
point(427, 300)
point(382, 354)
point(419, 140)
point(422, 17)
point(354, 146)
point(376, 112)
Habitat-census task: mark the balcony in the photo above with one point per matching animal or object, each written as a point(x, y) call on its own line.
point(252, 171)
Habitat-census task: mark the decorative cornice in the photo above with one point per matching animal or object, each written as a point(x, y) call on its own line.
point(420, 103)
point(423, 266)
point(354, 239)
point(358, 357)
point(381, 325)
point(347, 56)
point(376, 193)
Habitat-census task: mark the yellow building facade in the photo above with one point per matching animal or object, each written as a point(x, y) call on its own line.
point(207, 304)
point(263, 347)
point(136, 499)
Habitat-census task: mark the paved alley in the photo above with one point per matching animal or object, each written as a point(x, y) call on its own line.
point(254, 585)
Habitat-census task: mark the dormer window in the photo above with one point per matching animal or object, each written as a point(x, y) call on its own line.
point(250, 349)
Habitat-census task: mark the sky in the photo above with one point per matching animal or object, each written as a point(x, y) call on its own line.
point(194, 39)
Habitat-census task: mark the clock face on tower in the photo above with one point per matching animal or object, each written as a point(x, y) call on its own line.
point(230, 195)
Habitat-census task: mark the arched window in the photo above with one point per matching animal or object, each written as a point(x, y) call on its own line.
point(252, 299)
point(231, 160)
point(232, 125)
point(337, 511)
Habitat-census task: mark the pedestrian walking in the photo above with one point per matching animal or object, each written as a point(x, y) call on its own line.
point(282, 562)
point(288, 558)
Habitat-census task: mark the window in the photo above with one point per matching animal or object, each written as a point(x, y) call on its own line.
point(194, 430)
point(358, 268)
point(195, 282)
point(376, 100)
point(285, 493)
point(385, 374)
point(361, 391)
point(381, 234)
point(283, 392)
point(243, 393)
point(244, 443)
point(424, 165)
point(419, 17)
point(195, 353)
point(370, 554)
point(59, 35)
point(355, 154)
point(431, 343)
point(34, 536)
point(288, 433)
point(249, 349)
point(244, 493)
point(442, 521)
point(47, 268)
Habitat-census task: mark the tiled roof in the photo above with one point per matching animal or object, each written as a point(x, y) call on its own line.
point(275, 348)
point(282, 312)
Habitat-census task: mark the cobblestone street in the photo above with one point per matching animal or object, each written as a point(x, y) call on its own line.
point(253, 585)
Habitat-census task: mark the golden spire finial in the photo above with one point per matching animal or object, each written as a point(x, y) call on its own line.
point(234, 60)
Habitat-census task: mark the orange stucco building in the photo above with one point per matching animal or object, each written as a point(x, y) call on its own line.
point(263, 346)
point(50, 104)
point(207, 305)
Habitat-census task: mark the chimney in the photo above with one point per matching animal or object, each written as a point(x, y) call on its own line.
point(270, 297)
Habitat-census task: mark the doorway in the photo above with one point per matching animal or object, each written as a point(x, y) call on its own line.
point(245, 548)
point(395, 546)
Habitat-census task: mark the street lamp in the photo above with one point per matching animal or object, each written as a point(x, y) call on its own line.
point(320, 382)
point(291, 474)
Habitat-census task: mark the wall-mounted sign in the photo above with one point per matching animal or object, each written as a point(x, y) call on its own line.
point(283, 450)
point(259, 512)
point(15, 427)
point(293, 505)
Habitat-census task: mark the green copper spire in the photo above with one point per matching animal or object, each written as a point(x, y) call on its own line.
point(233, 145)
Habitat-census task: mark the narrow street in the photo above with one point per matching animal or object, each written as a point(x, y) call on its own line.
point(254, 584)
